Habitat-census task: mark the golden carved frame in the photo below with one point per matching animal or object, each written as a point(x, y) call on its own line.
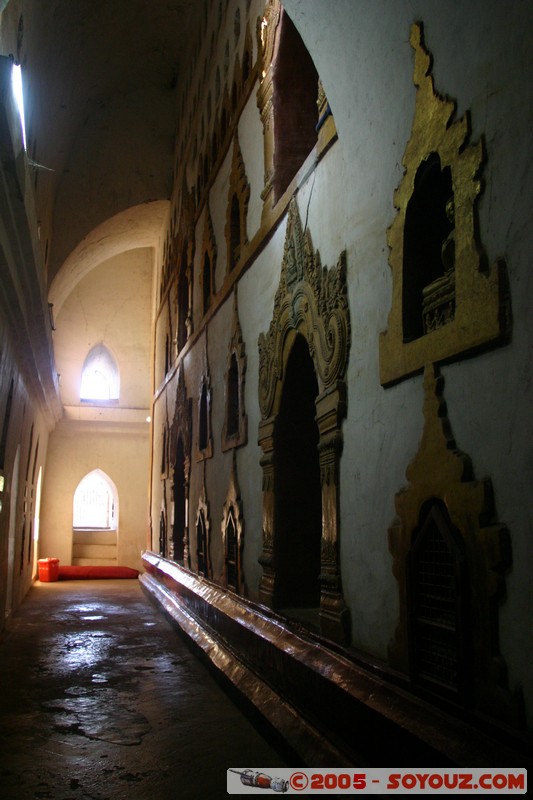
point(440, 471)
point(480, 314)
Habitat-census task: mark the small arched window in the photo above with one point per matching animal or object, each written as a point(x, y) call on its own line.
point(96, 502)
point(100, 378)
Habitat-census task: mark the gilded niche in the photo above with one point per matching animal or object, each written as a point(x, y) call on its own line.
point(235, 428)
point(450, 555)
point(445, 302)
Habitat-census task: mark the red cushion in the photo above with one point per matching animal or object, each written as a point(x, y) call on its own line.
point(86, 573)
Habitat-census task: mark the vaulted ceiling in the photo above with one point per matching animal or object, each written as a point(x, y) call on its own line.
point(100, 79)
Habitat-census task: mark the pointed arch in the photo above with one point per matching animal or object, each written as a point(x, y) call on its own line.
point(310, 306)
point(95, 502)
point(100, 377)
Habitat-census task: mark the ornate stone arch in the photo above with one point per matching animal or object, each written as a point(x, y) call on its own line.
point(203, 526)
point(204, 441)
point(232, 527)
point(311, 301)
point(208, 263)
point(237, 212)
point(181, 429)
point(235, 429)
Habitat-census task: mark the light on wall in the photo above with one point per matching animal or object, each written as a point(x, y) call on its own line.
point(16, 83)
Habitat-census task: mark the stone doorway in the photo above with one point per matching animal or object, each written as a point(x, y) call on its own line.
point(298, 505)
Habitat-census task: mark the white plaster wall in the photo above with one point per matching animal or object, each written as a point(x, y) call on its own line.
point(482, 54)
point(74, 450)
point(218, 467)
point(218, 203)
point(112, 304)
point(257, 290)
point(251, 142)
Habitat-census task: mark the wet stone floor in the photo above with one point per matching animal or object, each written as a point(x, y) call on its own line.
point(100, 698)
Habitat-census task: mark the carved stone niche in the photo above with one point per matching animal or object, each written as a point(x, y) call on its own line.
point(445, 302)
point(235, 429)
point(449, 559)
point(311, 303)
point(237, 213)
point(204, 441)
point(208, 263)
point(203, 525)
point(233, 535)
point(180, 460)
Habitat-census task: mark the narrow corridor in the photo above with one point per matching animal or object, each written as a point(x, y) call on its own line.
point(101, 699)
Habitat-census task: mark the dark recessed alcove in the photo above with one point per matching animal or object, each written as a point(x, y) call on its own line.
point(427, 227)
point(298, 501)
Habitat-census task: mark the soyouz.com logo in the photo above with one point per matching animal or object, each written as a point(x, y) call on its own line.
point(377, 781)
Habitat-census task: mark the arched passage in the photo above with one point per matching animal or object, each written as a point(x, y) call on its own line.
point(298, 501)
point(95, 520)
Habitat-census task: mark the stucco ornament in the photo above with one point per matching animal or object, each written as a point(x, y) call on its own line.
point(446, 302)
point(441, 473)
point(312, 300)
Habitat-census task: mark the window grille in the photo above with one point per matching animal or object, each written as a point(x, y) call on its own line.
point(437, 599)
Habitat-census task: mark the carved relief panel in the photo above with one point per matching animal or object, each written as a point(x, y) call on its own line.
point(445, 302)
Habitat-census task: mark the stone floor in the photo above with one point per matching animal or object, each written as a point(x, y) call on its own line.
point(101, 699)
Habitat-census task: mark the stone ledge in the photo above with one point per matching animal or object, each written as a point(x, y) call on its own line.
point(329, 710)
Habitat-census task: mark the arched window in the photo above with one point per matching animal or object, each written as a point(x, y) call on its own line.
point(100, 378)
point(96, 502)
